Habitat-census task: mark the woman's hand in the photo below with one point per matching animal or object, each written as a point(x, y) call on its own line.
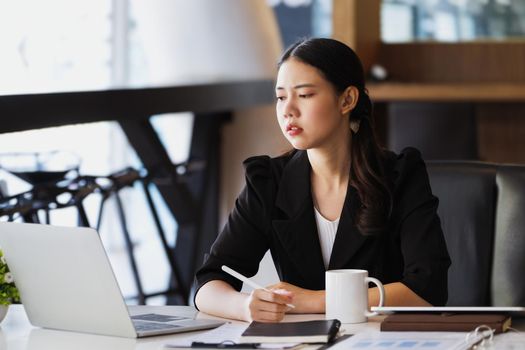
point(304, 300)
point(265, 306)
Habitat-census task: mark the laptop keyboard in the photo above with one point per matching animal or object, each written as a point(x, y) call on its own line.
point(158, 318)
point(142, 326)
point(155, 322)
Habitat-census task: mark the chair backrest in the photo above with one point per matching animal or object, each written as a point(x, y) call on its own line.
point(467, 200)
point(482, 207)
point(508, 272)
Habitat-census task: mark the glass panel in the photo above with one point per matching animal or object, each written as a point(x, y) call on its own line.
point(451, 20)
point(61, 45)
point(54, 45)
point(302, 18)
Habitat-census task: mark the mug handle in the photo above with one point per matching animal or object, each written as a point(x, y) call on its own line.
point(381, 294)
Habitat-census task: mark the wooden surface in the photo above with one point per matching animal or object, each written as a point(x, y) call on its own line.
point(451, 92)
point(468, 62)
point(356, 23)
point(490, 74)
point(501, 132)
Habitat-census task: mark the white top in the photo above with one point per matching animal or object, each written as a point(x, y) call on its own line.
point(327, 230)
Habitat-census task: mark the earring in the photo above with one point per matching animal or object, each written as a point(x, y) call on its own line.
point(354, 126)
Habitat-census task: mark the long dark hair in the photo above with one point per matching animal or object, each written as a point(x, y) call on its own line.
point(340, 65)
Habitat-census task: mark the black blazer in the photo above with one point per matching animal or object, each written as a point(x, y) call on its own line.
point(275, 211)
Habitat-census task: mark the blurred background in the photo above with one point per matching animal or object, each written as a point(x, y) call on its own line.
point(446, 76)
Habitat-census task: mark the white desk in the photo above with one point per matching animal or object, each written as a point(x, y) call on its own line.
point(16, 333)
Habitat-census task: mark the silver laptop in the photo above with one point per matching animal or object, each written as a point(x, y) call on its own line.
point(66, 282)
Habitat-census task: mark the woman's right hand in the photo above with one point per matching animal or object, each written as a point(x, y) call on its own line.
point(265, 306)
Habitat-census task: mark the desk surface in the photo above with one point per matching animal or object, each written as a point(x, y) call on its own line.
point(16, 333)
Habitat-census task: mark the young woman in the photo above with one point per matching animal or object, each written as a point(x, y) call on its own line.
point(336, 201)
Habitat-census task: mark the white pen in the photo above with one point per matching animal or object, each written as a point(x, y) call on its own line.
point(248, 281)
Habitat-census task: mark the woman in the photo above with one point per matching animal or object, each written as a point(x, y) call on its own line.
point(336, 201)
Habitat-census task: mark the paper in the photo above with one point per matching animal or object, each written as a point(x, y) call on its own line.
point(405, 341)
point(508, 341)
point(227, 332)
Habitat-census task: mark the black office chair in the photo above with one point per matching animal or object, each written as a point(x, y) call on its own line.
point(481, 208)
point(47, 196)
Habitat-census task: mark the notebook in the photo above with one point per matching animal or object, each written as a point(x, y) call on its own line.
point(445, 322)
point(66, 283)
point(319, 331)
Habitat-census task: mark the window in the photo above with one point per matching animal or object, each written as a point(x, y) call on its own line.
point(303, 18)
point(59, 45)
point(452, 20)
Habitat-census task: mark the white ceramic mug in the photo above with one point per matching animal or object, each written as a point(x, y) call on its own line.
point(347, 295)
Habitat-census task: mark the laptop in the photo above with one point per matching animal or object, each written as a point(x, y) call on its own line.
point(66, 283)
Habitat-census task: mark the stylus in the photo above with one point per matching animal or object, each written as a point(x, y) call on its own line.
point(248, 281)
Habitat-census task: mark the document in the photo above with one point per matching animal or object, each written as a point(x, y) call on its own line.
point(228, 333)
point(510, 340)
point(407, 340)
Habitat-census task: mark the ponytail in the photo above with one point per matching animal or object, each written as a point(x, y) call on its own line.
point(366, 172)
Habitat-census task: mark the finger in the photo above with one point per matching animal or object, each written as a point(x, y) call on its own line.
point(272, 297)
point(289, 297)
point(283, 292)
point(262, 305)
point(283, 298)
point(265, 311)
point(266, 316)
point(279, 285)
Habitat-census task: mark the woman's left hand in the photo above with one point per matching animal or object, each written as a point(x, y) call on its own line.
point(304, 300)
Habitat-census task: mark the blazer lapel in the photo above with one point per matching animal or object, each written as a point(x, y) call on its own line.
point(297, 231)
point(348, 240)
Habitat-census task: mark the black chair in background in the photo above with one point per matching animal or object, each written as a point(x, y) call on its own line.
point(55, 181)
point(47, 196)
point(52, 193)
point(481, 207)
